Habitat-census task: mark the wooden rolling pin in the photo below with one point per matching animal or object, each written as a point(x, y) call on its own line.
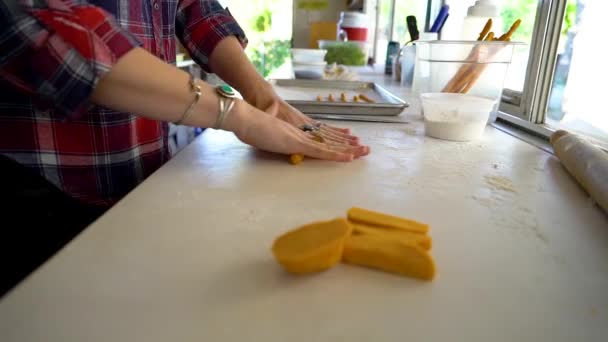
point(586, 162)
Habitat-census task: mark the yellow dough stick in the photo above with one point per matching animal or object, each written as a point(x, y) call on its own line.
point(355, 98)
point(319, 98)
point(343, 97)
point(330, 98)
point(507, 36)
point(366, 99)
point(313, 247)
point(395, 256)
point(296, 158)
point(375, 218)
point(423, 241)
point(485, 30)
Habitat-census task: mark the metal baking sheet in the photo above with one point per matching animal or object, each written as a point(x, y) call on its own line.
point(302, 94)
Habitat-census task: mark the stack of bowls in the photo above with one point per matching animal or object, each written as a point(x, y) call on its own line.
point(308, 63)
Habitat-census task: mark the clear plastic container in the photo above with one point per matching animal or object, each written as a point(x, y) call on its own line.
point(346, 53)
point(457, 117)
point(476, 68)
point(308, 56)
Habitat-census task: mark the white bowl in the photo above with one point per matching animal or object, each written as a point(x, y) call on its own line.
point(309, 56)
point(457, 117)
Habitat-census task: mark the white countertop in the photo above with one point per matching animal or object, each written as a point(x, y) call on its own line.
point(521, 252)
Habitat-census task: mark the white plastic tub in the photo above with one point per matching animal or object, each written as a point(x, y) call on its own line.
point(457, 117)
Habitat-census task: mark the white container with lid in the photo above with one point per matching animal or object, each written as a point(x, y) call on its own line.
point(353, 25)
point(456, 117)
point(478, 15)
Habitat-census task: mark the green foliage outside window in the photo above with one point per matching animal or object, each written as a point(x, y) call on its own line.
point(271, 55)
point(266, 56)
point(526, 11)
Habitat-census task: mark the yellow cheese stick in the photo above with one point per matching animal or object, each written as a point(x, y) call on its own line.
point(380, 219)
point(423, 241)
point(400, 257)
point(313, 247)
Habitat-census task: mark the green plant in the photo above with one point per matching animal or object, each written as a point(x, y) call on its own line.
point(270, 55)
point(519, 9)
point(569, 16)
point(345, 53)
point(526, 11)
point(263, 21)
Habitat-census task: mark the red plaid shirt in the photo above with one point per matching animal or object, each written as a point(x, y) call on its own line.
point(53, 53)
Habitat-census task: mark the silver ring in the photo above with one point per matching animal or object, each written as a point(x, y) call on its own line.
point(309, 128)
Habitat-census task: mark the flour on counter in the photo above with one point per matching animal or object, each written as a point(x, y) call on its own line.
point(500, 183)
point(502, 194)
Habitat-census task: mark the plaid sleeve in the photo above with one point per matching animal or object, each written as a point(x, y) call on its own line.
point(202, 24)
point(57, 51)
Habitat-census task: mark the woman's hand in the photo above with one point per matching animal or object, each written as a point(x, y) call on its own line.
point(269, 133)
point(264, 97)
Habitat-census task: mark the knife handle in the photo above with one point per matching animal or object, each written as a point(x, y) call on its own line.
point(412, 27)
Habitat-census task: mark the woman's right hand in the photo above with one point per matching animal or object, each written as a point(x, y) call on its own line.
point(271, 134)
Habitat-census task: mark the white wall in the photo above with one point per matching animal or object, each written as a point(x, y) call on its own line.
point(301, 18)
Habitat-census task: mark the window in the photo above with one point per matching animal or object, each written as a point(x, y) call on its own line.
point(391, 25)
point(402, 10)
point(575, 103)
point(549, 85)
point(268, 25)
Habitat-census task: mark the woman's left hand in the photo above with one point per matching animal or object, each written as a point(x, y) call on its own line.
point(266, 97)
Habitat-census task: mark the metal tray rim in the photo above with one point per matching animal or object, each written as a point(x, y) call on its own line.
point(394, 108)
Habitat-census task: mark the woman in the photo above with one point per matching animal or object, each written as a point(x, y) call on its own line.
point(86, 91)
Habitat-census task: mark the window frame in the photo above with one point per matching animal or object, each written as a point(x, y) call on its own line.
point(531, 104)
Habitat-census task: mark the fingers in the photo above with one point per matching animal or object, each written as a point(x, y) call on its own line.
point(357, 151)
point(338, 136)
point(336, 129)
point(321, 151)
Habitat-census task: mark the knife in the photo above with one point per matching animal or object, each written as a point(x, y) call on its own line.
point(355, 118)
point(412, 27)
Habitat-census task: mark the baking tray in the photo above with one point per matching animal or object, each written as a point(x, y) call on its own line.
point(302, 95)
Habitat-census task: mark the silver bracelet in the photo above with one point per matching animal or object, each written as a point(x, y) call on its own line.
point(226, 105)
point(197, 95)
